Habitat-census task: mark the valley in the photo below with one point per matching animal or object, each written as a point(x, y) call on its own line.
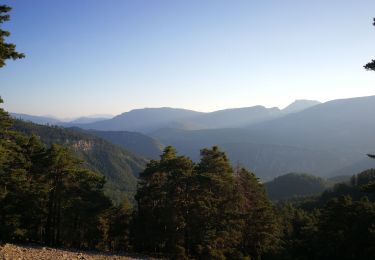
point(324, 139)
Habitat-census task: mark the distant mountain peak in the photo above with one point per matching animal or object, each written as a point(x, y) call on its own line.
point(299, 105)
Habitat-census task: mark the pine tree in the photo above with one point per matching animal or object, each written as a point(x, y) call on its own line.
point(7, 50)
point(261, 233)
point(75, 200)
point(371, 65)
point(213, 231)
point(298, 233)
point(345, 229)
point(163, 203)
point(116, 225)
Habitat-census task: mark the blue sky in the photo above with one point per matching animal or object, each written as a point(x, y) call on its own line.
point(106, 57)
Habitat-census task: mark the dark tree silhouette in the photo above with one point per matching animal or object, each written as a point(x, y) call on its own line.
point(7, 50)
point(371, 65)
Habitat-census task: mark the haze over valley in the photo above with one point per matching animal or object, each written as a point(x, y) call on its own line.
point(324, 139)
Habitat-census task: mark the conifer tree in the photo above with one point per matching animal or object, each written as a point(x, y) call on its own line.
point(75, 200)
point(7, 50)
point(163, 201)
point(345, 229)
point(260, 227)
point(214, 211)
point(116, 226)
point(371, 65)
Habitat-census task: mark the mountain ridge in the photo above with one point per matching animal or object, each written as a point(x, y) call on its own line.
point(146, 120)
point(341, 130)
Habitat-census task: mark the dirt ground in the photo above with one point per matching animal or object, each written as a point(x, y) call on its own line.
point(31, 252)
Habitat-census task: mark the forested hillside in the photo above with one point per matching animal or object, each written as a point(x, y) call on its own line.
point(137, 143)
point(120, 167)
point(294, 185)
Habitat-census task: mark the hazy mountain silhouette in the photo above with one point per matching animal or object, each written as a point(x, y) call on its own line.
point(322, 139)
point(50, 120)
point(299, 105)
point(338, 124)
point(151, 119)
point(87, 120)
point(43, 120)
point(141, 120)
point(325, 139)
point(231, 118)
point(265, 159)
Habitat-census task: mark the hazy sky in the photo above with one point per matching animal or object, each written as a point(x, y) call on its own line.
point(110, 56)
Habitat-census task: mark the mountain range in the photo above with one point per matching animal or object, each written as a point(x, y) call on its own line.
point(151, 119)
point(324, 139)
point(51, 120)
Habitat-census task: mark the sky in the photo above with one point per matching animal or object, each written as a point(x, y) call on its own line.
point(86, 57)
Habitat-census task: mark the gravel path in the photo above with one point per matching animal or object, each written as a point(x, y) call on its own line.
point(21, 252)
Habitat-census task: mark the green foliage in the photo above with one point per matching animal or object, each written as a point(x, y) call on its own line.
point(214, 204)
point(116, 225)
point(356, 188)
point(120, 167)
point(162, 196)
point(298, 228)
point(339, 224)
point(261, 230)
point(202, 210)
point(46, 195)
point(74, 200)
point(346, 229)
point(7, 50)
point(363, 178)
point(295, 185)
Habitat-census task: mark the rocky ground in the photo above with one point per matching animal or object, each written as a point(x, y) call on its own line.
point(31, 252)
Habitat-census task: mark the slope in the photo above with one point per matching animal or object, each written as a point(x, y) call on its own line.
point(119, 166)
point(293, 185)
point(132, 141)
